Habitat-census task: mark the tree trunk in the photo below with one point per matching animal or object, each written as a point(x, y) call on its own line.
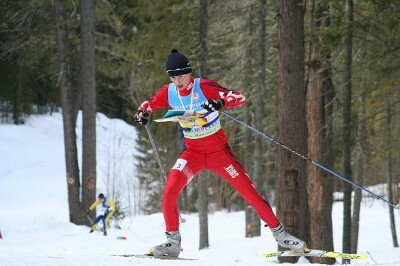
point(249, 158)
point(69, 117)
point(291, 193)
point(203, 184)
point(361, 149)
point(259, 166)
point(347, 129)
point(203, 209)
point(389, 170)
point(88, 83)
point(319, 123)
point(17, 97)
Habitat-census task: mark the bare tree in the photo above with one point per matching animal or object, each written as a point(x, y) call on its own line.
point(259, 166)
point(360, 163)
point(389, 174)
point(203, 184)
point(253, 223)
point(346, 155)
point(250, 213)
point(319, 123)
point(291, 193)
point(69, 99)
point(18, 95)
point(88, 84)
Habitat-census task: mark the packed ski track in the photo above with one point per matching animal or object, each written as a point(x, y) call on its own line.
point(35, 229)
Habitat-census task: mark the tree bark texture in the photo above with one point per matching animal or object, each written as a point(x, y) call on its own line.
point(291, 192)
point(18, 94)
point(88, 83)
point(360, 163)
point(69, 117)
point(203, 210)
point(389, 169)
point(347, 136)
point(259, 148)
point(250, 213)
point(319, 123)
point(203, 184)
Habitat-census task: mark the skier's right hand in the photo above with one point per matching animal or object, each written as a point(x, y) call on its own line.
point(87, 212)
point(141, 117)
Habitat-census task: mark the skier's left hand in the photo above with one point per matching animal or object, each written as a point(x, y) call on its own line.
point(213, 105)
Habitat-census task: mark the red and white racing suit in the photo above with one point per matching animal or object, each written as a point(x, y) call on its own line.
point(210, 152)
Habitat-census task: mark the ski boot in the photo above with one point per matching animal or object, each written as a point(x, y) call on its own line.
point(171, 248)
point(286, 240)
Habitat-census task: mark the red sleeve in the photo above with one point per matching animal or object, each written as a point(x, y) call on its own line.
point(159, 100)
point(212, 90)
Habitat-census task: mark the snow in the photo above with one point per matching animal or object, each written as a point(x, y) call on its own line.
point(34, 209)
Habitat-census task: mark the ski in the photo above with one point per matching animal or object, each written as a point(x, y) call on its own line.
point(316, 253)
point(144, 256)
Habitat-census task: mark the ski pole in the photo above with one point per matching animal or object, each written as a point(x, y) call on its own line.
point(156, 152)
point(90, 219)
point(159, 160)
point(311, 161)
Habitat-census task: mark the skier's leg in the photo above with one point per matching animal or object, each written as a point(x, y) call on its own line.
point(95, 222)
point(176, 181)
point(107, 220)
point(228, 167)
point(184, 169)
point(104, 225)
point(179, 176)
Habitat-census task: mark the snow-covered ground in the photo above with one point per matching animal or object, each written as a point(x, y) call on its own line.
point(34, 214)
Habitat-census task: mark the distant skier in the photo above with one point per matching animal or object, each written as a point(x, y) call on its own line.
point(206, 147)
point(105, 209)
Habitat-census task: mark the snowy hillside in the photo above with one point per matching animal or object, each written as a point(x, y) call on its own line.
point(34, 214)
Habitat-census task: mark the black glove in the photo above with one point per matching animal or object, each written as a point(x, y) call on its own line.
point(213, 105)
point(141, 117)
point(87, 212)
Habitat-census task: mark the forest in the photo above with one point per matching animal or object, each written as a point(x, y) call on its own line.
point(321, 77)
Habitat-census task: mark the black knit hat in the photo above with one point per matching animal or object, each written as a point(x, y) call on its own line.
point(177, 64)
point(101, 196)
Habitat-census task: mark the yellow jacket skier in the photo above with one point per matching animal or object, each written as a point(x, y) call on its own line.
point(105, 209)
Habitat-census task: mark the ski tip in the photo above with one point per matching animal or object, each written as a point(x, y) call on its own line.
point(338, 255)
point(271, 254)
point(149, 253)
point(315, 253)
point(363, 256)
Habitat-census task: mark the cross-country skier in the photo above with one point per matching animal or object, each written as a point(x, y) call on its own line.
point(105, 209)
point(206, 147)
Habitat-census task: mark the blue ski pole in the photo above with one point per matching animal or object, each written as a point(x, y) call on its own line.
point(311, 161)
